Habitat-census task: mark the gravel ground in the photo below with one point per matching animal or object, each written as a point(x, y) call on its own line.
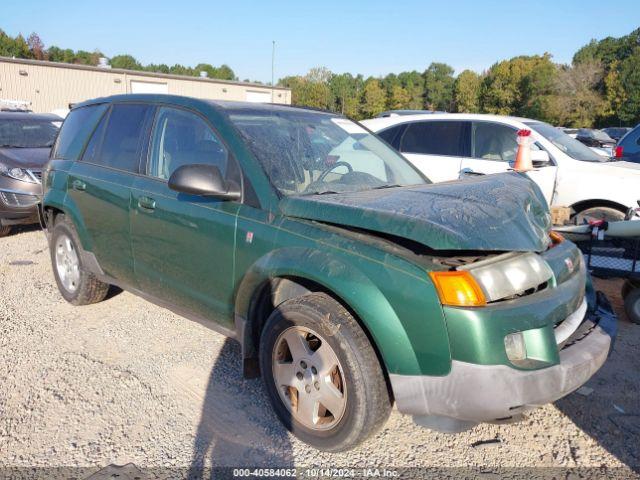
point(125, 381)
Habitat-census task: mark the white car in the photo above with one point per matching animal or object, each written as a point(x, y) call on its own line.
point(450, 146)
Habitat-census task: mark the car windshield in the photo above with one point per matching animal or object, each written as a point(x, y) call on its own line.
point(602, 136)
point(28, 132)
point(568, 145)
point(306, 153)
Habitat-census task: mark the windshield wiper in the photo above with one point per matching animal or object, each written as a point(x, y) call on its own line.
point(386, 186)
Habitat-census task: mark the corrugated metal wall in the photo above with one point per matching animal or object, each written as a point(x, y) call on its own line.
point(50, 86)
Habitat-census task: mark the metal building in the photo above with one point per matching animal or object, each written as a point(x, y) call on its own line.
point(51, 86)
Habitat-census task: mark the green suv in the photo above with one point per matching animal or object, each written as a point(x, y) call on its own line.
point(350, 280)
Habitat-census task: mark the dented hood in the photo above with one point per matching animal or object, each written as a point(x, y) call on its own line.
point(504, 212)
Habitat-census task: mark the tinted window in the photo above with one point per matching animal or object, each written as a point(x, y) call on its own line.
point(392, 135)
point(436, 138)
point(76, 128)
point(183, 138)
point(123, 137)
point(566, 144)
point(492, 141)
point(631, 143)
point(91, 152)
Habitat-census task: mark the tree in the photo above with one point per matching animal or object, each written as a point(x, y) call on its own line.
point(36, 47)
point(466, 92)
point(629, 110)
point(398, 98)
point(413, 83)
point(126, 62)
point(438, 86)
point(373, 98)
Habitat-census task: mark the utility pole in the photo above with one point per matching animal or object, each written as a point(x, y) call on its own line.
point(273, 63)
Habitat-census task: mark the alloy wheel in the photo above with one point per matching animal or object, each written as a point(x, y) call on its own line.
point(67, 263)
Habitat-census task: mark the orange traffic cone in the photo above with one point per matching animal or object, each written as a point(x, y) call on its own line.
point(523, 157)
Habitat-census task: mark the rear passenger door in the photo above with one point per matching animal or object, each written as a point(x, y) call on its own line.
point(436, 147)
point(184, 245)
point(100, 185)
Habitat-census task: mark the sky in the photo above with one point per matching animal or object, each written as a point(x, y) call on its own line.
point(368, 37)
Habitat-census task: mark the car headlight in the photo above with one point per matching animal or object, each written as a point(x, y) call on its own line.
point(16, 173)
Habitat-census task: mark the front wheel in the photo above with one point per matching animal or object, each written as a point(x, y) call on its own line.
point(77, 285)
point(322, 375)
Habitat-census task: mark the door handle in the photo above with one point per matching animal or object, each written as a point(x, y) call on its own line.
point(146, 203)
point(79, 185)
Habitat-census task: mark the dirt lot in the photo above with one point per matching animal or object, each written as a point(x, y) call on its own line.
point(125, 381)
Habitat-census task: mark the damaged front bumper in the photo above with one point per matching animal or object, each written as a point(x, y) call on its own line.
point(473, 393)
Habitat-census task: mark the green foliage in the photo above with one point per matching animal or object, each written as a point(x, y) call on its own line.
point(438, 86)
point(373, 98)
point(126, 62)
point(466, 92)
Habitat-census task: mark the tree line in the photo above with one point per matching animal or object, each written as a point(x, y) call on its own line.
point(33, 48)
point(601, 86)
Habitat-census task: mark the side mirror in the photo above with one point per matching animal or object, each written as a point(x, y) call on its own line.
point(203, 180)
point(540, 158)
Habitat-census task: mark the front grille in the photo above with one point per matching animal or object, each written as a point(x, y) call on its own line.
point(18, 199)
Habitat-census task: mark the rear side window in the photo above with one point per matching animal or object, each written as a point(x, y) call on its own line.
point(631, 143)
point(124, 136)
point(392, 135)
point(437, 138)
point(75, 131)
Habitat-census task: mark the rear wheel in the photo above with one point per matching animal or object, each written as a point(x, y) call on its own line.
point(632, 305)
point(5, 230)
point(599, 213)
point(321, 373)
point(77, 285)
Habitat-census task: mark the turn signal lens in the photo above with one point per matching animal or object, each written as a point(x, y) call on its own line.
point(556, 237)
point(458, 289)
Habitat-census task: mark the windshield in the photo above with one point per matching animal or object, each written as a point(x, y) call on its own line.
point(602, 136)
point(27, 132)
point(315, 153)
point(568, 145)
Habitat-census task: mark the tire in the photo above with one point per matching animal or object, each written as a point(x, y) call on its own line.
point(355, 387)
point(5, 230)
point(632, 305)
point(77, 285)
point(628, 286)
point(599, 213)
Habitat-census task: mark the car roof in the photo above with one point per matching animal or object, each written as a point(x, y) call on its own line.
point(377, 124)
point(28, 116)
point(181, 99)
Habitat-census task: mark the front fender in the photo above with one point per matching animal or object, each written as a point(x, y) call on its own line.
point(407, 328)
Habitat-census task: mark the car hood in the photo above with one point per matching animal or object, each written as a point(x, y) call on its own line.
point(24, 157)
point(504, 212)
point(628, 165)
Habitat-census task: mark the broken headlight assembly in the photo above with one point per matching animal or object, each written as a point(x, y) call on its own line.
point(17, 173)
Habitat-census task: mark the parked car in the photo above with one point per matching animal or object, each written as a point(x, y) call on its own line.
point(628, 148)
point(616, 132)
point(347, 277)
point(597, 140)
point(444, 147)
point(25, 141)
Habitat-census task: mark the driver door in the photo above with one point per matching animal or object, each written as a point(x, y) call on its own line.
point(183, 245)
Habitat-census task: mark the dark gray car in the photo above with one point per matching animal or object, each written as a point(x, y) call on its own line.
point(25, 142)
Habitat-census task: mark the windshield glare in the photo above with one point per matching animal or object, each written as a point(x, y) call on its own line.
point(27, 133)
point(305, 153)
point(569, 146)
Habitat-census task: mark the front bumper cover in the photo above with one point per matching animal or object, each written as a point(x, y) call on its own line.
point(473, 393)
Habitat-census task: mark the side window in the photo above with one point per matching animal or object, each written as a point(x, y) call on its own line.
point(124, 136)
point(392, 135)
point(631, 142)
point(183, 138)
point(492, 141)
point(76, 128)
point(91, 152)
point(436, 138)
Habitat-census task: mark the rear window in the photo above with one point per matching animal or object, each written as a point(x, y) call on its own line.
point(437, 138)
point(75, 131)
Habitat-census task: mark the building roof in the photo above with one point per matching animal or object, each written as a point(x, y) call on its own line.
point(72, 66)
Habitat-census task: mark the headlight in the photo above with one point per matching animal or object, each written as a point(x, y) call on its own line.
point(16, 173)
